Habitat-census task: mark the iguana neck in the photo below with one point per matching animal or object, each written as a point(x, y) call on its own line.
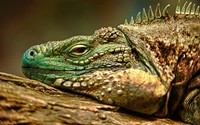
point(167, 43)
point(144, 56)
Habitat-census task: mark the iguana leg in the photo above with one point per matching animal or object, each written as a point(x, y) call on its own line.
point(190, 107)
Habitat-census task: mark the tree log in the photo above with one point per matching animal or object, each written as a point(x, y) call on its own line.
point(25, 101)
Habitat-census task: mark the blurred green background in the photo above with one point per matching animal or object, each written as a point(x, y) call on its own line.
point(24, 23)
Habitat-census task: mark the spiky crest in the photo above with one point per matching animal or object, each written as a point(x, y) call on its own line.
point(186, 9)
point(150, 13)
point(151, 16)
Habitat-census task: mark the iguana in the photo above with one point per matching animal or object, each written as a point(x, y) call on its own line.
point(150, 65)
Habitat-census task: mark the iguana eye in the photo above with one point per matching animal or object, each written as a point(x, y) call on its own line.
point(79, 50)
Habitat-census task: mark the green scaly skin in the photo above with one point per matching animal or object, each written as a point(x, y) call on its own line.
point(149, 66)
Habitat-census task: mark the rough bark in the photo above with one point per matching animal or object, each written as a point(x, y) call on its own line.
point(25, 101)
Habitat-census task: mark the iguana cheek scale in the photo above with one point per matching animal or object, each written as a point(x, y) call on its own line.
point(150, 65)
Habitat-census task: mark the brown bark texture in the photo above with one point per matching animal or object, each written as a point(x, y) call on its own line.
point(24, 101)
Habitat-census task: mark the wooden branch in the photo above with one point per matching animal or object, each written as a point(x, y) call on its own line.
point(25, 101)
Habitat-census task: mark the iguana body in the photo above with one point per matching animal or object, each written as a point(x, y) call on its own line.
point(149, 66)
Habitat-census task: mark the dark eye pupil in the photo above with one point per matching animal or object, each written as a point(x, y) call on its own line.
point(80, 50)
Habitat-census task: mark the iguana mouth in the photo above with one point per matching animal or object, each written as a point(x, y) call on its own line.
point(47, 70)
point(51, 74)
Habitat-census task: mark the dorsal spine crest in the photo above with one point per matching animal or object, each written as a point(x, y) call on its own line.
point(186, 9)
point(151, 16)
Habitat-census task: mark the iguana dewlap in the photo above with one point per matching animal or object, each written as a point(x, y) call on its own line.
point(150, 65)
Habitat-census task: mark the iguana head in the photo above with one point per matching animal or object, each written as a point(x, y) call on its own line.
point(106, 50)
point(104, 65)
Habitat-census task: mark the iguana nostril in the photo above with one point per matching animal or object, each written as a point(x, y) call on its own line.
point(32, 53)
